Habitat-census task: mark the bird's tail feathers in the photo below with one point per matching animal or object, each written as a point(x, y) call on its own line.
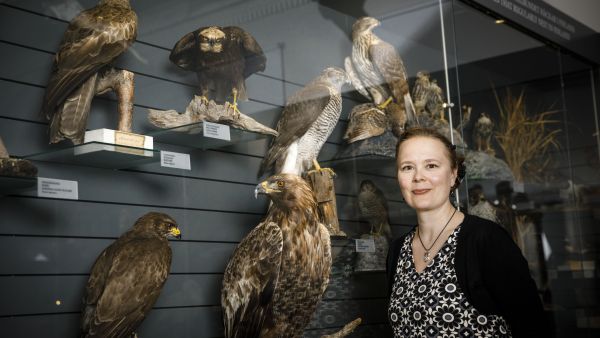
point(70, 120)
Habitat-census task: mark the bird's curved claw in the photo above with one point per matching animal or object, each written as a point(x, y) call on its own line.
point(204, 100)
point(236, 112)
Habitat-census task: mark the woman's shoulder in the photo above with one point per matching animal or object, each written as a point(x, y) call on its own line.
point(476, 227)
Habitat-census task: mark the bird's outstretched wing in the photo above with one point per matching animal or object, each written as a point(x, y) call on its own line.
point(130, 278)
point(93, 39)
point(249, 282)
point(390, 66)
point(302, 110)
point(184, 53)
point(256, 60)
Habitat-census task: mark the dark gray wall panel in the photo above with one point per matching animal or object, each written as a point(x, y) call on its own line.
point(48, 217)
point(47, 326)
point(55, 255)
point(169, 322)
point(39, 294)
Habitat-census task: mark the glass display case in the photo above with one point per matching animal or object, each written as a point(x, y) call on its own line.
point(519, 102)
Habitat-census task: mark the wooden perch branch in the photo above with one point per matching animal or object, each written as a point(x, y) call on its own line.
point(200, 110)
point(346, 330)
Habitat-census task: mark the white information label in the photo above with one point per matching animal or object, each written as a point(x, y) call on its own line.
point(170, 159)
point(365, 245)
point(216, 130)
point(55, 188)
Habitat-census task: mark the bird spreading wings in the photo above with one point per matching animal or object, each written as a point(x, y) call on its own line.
point(377, 72)
point(127, 278)
point(93, 40)
point(279, 272)
point(222, 58)
point(306, 122)
point(373, 207)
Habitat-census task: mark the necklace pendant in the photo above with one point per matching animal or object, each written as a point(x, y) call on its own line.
point(426, 257)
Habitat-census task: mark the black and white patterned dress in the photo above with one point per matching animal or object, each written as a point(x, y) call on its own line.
point(431, 303)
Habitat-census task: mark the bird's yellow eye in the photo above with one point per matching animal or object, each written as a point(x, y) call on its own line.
point(280, 184)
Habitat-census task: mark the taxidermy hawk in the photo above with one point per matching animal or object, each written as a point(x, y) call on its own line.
point(377, 72)
point(278, 273)
point(306, 122)
point(127, 278)
point(373, 207)
point(222, 58)
point(428, 98)
point(482, 133)
point(92, 41)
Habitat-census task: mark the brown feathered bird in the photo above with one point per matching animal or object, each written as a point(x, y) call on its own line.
point(127, 278)
point(373, 207)
point(222, 58)
point(279, 271)
point(92, 41)
point(377, 72)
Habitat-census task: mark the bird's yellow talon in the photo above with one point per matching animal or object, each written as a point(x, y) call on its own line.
point(385, 104)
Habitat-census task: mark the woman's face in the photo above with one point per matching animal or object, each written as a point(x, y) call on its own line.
point(425, 173)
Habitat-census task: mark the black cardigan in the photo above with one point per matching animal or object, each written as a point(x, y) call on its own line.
point(493, 275)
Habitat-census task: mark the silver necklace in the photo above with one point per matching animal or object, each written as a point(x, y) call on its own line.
point(426, 256)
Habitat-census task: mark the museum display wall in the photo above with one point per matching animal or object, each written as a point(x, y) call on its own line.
point(49, 244)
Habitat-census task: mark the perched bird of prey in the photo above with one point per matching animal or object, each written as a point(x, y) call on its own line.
point(278, 273)
point(93, 40)
point(222, 58)
point(479, 205)
point(373, 207)
point(306, 122)
point(482, 133)
point(428, 98)
point(127, 278)
point(377, 72)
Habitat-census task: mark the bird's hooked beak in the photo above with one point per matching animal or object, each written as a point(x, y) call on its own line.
point(261, 188)
point(373, 23)
point(175, 232)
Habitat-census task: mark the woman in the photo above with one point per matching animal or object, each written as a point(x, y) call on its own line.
point(454, 275)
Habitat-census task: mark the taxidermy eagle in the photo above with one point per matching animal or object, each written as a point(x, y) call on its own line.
point(127, 278)
point(222, 58)
point(377, 72)
point(92, 41)
point(306, 122)
point(278, 273)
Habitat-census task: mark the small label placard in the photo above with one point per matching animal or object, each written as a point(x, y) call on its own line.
point(216, 130)
point(55, 188)
point(129, 139)
point(171, 159)
point(365, 245)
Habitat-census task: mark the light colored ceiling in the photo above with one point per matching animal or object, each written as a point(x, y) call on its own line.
point(584, 11)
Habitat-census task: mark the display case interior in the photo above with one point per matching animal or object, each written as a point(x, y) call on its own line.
point(461, 61)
